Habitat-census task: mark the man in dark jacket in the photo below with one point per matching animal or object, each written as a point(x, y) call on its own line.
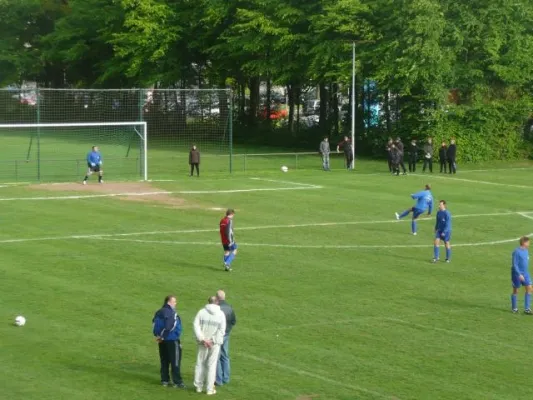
point(452, 152)
point(412, 151)
point(167, 332)
point(388, 148)
point(428, 156)
point(223, 366)
point(346, 145)
point(442, 157)
point(399, 146)
point(395, 160)
point(194, 160)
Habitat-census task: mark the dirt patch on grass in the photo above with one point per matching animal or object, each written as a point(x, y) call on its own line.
point(128, 191)
point(307, 397)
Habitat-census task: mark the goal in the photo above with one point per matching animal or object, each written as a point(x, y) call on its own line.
point(57, 151)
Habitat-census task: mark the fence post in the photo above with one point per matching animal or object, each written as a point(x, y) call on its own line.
point(38, 101)
point(230, 123)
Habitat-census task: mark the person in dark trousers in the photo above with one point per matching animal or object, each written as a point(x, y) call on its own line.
point(412, 152)
point(395, 160)
point(428, 156)
point(388, 147)
point(399, 146)
point(194, 160)
point(452, 152)
point(223, 366)
point(346, 145)
point(442, 157)
point(167, 331)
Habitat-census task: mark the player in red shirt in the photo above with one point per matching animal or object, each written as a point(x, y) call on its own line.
point(228, 241)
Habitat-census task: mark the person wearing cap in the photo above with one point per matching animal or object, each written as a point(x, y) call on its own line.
point(227, 238)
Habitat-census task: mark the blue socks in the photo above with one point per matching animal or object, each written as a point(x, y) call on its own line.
point(413, 226)
point(514, 304)
point(226, 257)
point(405, 214)
point(230, 258)
point(527, 301)
point(448, 253)
point(436, 252)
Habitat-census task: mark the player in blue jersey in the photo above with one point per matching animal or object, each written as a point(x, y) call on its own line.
point(520, 275)
point(94, 164)
point(443, 231)
point(424, 202)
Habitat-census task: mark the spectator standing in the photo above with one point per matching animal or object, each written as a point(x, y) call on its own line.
point(428, 155)
point(194, 160)
point(324, 151)
point(412, 152)
point(167, 331)
point(399, 146)
point(209, 329)
point(389, 154)
point(452, 152)
point(395, 160)
point(442, 157)
point(346, 145)
point(223, 366)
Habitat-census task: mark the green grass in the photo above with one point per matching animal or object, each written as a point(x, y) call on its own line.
point(349, 310)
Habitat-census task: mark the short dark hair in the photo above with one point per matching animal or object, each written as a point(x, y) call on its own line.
point(94, 147)
point(523, 240)
point(230, 211)
point(428, 187)
point(212, 300)
point(167, 298)
point(443, 202)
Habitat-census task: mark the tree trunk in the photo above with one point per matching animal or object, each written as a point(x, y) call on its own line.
point(290, 91)
point(335, 107)
point(323, 113)
point(387, 113)
point(254, 99)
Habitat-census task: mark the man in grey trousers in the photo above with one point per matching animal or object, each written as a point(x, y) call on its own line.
point(324, 151)
point(223, 366)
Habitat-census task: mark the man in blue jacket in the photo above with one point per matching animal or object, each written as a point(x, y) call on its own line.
point(167, 332)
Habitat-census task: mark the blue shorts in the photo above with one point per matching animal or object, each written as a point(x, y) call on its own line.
point(230, 247)
point(443, 236)
point(417, 212)
point(516, 280)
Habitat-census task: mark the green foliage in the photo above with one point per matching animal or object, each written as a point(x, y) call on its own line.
point(418, 52)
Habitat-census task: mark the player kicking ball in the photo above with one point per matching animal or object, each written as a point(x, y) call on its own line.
point(94, 164)
point(443, 231)
point(228, 240)
point(424, 201)
point(520, 275)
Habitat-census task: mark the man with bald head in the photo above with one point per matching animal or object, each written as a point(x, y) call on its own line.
point(223, 367)
point(209, 328)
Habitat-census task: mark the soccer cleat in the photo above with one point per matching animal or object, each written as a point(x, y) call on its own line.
point(528, 312)
point(227, 268)
point(198, 390)
point(435, 260)
point(414, 233)
point(164, 384)
point(211, 392)
point(515, 310)
point(397, 215)
point(448, 261)
point(101, 182)
point(85, 182)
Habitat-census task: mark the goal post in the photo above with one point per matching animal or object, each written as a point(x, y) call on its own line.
point(57, 151)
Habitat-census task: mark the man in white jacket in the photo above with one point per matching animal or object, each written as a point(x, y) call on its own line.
point(209, 328)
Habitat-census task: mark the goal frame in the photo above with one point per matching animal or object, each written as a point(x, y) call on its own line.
point(93, 124)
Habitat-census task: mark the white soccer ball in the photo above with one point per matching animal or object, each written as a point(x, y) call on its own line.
point(20, 321)
point(284, 168)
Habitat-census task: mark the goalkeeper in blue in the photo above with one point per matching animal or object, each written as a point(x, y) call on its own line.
point(520, 275)
point(443, 231)
point(424, 202)
point(94, 165)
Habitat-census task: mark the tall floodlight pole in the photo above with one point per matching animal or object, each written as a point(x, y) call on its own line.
point(353, 105)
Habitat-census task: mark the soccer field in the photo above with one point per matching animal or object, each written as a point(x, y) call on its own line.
point(335, 299)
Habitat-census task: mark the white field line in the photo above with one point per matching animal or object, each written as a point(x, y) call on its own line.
point(320, 246)
point(243, 228)
point(161, 192)
point(301, 372)
point(286, 182)
point(480, 182)
point(523, 214)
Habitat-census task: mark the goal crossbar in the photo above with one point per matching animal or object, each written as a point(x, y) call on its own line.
point(92, 124)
